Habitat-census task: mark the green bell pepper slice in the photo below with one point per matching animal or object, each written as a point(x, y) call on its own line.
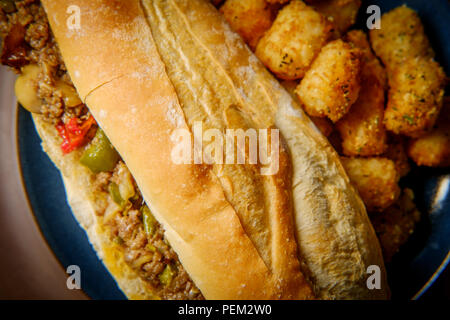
point(100, 156)
point(149, 221)
point(167, 275)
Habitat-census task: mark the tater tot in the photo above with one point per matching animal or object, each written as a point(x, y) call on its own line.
point(250, 18)
point(332, 84)
point(361, 129)
point(395, 225)
point(396, 151)
point(294, 40)
point(415, 96)
point(323, 124)
point(376, 180)
point(371, 63)
point(401, 36)
point(341, 12)
point(433, 149)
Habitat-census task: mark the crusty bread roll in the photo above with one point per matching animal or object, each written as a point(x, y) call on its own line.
point(146, 68)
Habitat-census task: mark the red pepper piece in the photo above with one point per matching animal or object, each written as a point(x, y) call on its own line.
point(74, 135)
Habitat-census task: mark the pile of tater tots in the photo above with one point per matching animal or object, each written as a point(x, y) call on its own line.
point(378, 96)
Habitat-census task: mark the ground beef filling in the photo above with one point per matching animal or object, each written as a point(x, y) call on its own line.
point(150, 255)
point(38, 47)
point(151, 263)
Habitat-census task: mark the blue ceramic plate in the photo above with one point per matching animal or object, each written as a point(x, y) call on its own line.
point(412, 271)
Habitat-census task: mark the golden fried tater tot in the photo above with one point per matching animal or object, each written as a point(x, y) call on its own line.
point(359, 39)
point(341, 12)
point(433, 149)
point(294, 40)
point(372, 65)
point(401, 36)
point(415, 96)
point(323, 124)
point(395, 225)
point(396, 151)
point(376, 180)
point(362, 129)
point(332, 84)
point(250, 18)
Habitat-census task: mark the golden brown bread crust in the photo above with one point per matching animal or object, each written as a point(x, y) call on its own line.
point(200, 222)
point(146, 68)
